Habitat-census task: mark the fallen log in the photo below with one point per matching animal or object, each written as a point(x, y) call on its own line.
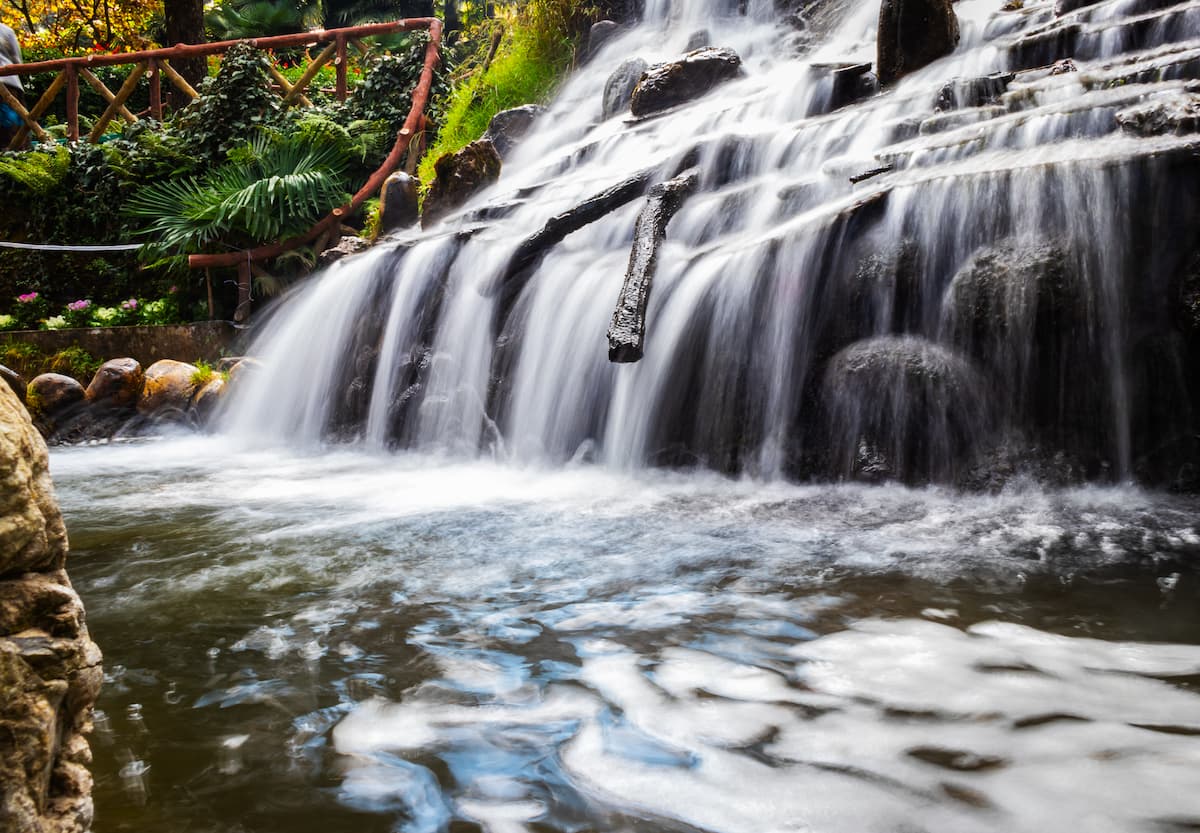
point(534, 248)
point(627, 333)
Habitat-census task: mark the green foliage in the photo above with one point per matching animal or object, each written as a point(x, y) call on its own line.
point(40, 171)
point(75, 362)
point(203, 374)
point(537, 49)
point(232, 108)
point(238, 19)
point(273, 188)
point(385, 93)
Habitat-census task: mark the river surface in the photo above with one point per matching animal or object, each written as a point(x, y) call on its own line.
point(344, 641)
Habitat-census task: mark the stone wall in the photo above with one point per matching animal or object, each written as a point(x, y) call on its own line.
point(207, 340)
point(50, 669)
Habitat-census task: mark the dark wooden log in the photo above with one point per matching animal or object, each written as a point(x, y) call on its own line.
point(535, 247)
point(627, 333)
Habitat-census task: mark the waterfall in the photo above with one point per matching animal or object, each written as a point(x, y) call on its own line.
point(1000, 288)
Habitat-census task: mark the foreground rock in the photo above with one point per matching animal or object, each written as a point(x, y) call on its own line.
point(667, 85)
point(459, 176)
point(399, 206)
point(618, 89)
point(912, 35)
point(15, 381)
point(50, 669)
point(168, 391)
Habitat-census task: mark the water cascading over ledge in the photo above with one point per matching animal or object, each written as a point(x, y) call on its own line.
point(1007, 291)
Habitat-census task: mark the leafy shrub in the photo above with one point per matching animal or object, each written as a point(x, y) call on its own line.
point(232, 108)
point(30, 308)
point(78, 313)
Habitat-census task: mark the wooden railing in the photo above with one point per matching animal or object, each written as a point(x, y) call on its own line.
point(156, 64)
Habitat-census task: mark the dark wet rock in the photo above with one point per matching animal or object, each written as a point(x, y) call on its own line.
point(458, 176)
point(52, 394)
point(627, 333)
point(912, 35)
point(15, 381)
point(900, 407)
point(961, 93)
point(618, 90)
point(602, 32)
point(851, 83)
point(1177, 112)
point(1022, 309)
point(1063, 67)
point(508, 127)
point(349, 245)
point(1053, 46)
point(117, 384)
point(399, 203)
point(698, 40)
point(168, 390)
point(670, 84)
point(956, 759)
point(208, 398)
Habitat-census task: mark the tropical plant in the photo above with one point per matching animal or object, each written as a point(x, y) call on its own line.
point(234, 106)
point(275, 187)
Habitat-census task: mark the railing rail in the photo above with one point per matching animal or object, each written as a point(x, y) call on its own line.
point(156, 64)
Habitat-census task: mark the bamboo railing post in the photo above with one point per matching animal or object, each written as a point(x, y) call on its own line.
point(340, 67)
point(156, 105)
point(178, 80)
point(11, 101)
point(286, 86)
point(73, 102)
point(309, 74)
point(107, 94)
point(43, 104)
point(114, 107)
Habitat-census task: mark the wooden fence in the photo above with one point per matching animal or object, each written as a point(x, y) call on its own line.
point(156, 64)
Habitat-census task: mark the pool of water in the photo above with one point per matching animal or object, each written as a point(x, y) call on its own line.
point(316, 643)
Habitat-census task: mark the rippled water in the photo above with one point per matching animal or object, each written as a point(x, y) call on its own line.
point(368, 642)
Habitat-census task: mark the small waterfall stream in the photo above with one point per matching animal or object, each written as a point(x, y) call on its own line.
point(994, 294)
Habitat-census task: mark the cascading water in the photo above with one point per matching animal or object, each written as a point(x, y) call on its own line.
point(779, 264)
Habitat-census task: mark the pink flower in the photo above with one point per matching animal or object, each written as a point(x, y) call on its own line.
point(27, 298)
point(78, 306)
point(131, 304)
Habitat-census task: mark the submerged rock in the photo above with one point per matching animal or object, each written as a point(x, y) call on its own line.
point(458, 176)
point(117, 384)
point(508, 127)
point(168, 391)
point(670, 84)
point(904, 408)
point(618, 89)
point(912, 35)
point(50, 670)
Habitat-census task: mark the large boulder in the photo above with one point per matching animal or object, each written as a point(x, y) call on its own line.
point(50, 671)
point(208, 398)
point(669, 84)
point(117, 384)
point(51, 394)
point(618, 90)
point(508, 127)
point(458, 176)
point(168, 389)
point(912, 35)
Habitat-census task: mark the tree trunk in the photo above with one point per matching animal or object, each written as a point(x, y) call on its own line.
point(184, 21)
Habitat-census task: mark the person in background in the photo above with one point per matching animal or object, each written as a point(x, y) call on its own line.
point(10, 53)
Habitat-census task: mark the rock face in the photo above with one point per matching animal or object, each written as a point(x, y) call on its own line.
point(618, 90)
point(508, 127)
point(398, 204)
point(458, 176)
point(117, 384)
point(667, 85)
point(50, 669)
point(348, 245)
point(1175, 113)
point(169, 388)
point(913, 34)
